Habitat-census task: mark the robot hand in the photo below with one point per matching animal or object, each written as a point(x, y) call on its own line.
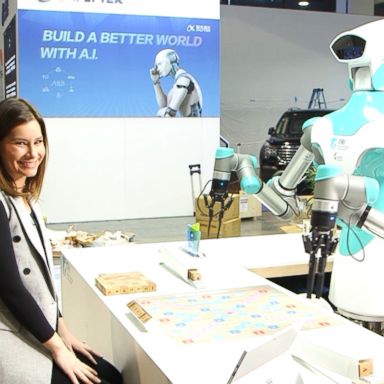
point(336, 195)
point(155, 75)
point(227, 162)
point(161, 112)
point(166, 112)
point(314, 242)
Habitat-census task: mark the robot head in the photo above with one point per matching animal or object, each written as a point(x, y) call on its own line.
point(362, 49)
point(167, 62)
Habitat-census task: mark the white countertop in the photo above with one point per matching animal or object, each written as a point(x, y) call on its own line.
point(224, 267)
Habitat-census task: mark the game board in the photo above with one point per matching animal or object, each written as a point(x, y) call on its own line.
point(230, 314)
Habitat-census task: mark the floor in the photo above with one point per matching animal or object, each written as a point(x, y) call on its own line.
point(154, 230)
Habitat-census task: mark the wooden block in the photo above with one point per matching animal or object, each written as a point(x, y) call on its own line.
point(194, 274)
point(123, 283)
point(110, 289)
point(365, 368)
point(139, 311)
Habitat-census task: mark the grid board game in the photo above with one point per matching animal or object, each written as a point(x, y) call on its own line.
point(230, 314)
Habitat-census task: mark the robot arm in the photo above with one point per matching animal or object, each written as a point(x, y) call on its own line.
point(161, 97)
point(226, 162)
point(279, 195)
point(180, 91)
point(170, 105)
point(349, 197)
point(284, 187)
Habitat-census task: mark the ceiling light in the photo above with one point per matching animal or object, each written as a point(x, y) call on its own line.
point(303, 3)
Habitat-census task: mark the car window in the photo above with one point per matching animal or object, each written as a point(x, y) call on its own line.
point(296, 126)
point(292, 124)
point(282, 126)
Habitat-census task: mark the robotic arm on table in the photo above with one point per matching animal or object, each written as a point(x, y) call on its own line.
point(336, 195)
point(226, 163)
point(347, 198)
point(279, 196)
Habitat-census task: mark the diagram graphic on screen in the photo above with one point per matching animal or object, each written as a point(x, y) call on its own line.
point(58, 82)
point(185, 97)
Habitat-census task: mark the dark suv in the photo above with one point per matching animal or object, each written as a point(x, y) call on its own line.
point(284, 140)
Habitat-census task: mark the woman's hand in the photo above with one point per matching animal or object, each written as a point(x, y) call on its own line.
point(77, 371)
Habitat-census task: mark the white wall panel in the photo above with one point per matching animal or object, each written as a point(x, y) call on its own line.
point(271, 59)
point(112, 169)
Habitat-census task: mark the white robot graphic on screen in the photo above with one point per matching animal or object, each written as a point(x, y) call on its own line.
point(184, 98)
point(347, 146)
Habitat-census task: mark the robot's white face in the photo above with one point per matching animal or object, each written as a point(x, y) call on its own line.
point(348, 47)
point(362, 49)
point(163, 66)
point(164, 61)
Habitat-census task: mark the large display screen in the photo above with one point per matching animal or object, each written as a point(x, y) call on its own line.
point(92, 64)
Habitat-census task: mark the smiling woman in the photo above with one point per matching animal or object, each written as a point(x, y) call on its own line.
point(32, 331)
point(23, 149)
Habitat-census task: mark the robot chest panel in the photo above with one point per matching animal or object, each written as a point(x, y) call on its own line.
point(347, 150)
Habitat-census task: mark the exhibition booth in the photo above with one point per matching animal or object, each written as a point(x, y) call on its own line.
point(166, 312)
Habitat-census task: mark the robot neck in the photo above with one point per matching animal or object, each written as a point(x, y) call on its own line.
point(174, 69)
point(361, 79)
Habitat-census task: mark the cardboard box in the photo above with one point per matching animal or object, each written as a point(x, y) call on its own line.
point(249, 206)
point(229, 228)
point(231, 213)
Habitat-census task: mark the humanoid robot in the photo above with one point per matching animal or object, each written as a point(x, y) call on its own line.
point(348, 147)
point(185, 96)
